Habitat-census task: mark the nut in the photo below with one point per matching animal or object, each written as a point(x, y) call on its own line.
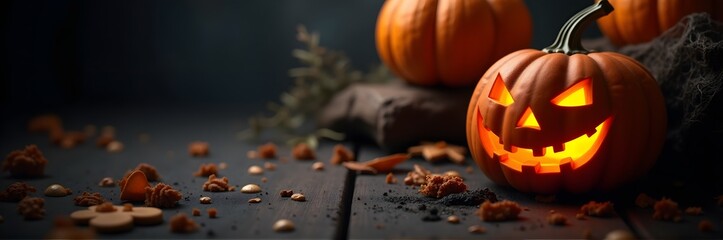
point(256, 170)
point(251, 188)
point(318, 166)
point(298, 197)
point(106, 182)
point(255, 200)
point(453, 219)
point(56, 190)
point(283, 225)
point(205, 200)
point(286, 193)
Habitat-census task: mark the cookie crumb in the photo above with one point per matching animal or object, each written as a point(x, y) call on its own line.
point(598, 209)
point(266, 151)
point(127, 207)
point(212, 212)
point(694, 211)
point(439, 186)
point(32, 208)
point(27, 162)
point(390, 179)
point(504, 210)
point(255, 170)
point(114, 146)
point(555, 218)
point(105, 207)
point(255, 200)
point(162, 196)
point(64, 228)
point(705, 226)
point(317, 166)
point(270, 166)
point(205, 200)
point(286, 193)
point(196, 212)
point(341, 154)
point(205, 170)
point(214, 184)
point(667, 210)
point(181, 223)
point(251, 188)
point(303, 151)
point(198, 149)
point(298, 197)
point(16, 192)
point(88, 199)
point(453, 219)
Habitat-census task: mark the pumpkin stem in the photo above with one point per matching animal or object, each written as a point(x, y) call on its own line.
point(568, 41)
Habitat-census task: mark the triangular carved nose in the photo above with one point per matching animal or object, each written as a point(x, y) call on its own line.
point(528, 120)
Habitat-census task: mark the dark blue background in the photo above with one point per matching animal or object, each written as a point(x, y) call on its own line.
point(65, 52)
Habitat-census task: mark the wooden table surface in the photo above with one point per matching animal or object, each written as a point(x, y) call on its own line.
point(340, 203)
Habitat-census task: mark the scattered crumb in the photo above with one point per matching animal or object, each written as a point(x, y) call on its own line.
point(104, 140)
point(266, 151)
point(181, 223)
point(580, 216)
point(212, 212)
point(222, 166)
point(286, 193)
point(283, 225)
point(150, 171)
point(504, 210)
point(215, 184)
point(57, 190)
point(270, 166)
point(27, 162)
point(105, 207)
point(453, 219)
point(317, 166)
point(251, 154)
point(264, 179)
point(16, 192)
point(598, 209)
point(198, 149)
point(298, 197)
point(667, 210)
point(476, 229)
point(251, 188)
point(705, 226)
point(255, 170)
point(694, 211)
point(88, 199)
point(162, 196)
point(545, 198)
point(32, 208)
point(469, 170)
point(302, 151)
point(620, 234)
point(44, 123)
point(196, 212)
point(64, 228)
point(70, 139)
point(439, 186)
point(205, 200)
point(417, 177)
point(114, 147)
point(127, 207)
point(390, 179)
point(341, 154)
point(255, 200)
point(644, 201)
point(555, 218)
point(106, 182)
point(205, 170)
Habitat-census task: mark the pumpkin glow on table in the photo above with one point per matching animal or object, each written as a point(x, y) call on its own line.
point(449, 42)
point(639, 21)
point(564, 118)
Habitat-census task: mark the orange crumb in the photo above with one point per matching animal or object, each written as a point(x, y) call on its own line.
point(302, 151)
point(439, 186)
point(198, 149)
point(556, 218)
point(390, 179)
point(667, 210)
point(180, 223)
point(695, 211)
point(500, 211)
point(341, 154)
point(266, 151)
point(196, 212)
point(212, 212)
point(206, 170)
point(27, 162)
point(598, 209)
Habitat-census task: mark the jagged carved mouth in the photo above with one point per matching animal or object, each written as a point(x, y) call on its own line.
point(555, 158)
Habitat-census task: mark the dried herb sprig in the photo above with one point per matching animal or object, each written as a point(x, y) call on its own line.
point(325, 73)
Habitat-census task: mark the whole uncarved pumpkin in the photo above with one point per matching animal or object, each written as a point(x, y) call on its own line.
point(449, 42)
point(639, 21)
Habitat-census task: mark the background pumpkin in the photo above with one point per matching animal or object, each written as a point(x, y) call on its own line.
point(639, 21)
point(518, 113)
point(449, 42)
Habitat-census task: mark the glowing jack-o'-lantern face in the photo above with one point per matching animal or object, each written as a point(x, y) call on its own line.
point(565, 119)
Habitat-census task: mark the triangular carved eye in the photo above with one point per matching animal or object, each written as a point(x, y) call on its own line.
point(499, 92)
point(577, 95)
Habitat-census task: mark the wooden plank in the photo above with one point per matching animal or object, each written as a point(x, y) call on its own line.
point(170, 131)
point(375, 212)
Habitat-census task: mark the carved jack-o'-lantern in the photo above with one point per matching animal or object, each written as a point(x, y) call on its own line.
point(565, 119)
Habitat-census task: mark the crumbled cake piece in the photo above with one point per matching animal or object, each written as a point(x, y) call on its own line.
point(70, 139)
point(286, 193)
point(705, 226)
point(436, 151)
point(106, 182)
point(598, 209)
point(302, 151)
point(694, 211)
point(16, 192)
point(266, 151)
point(341, 154)
point(127, 207)
point(28, 162)
point(105, 207)
point(196, 212)
point(215, 184)
point(88, 199)
point(32, 208)
point(44, 123)
point(390, 179)
point(64, 228)
point(417, 177)
point(644, 201)
point(441, 185)
point(162, 196)
point(212, 212)
point(150, 171)
point(667, 210)
point(504, 210)
point(181, 223)
point(198, 149)
point(555, 218)
point(206, 170)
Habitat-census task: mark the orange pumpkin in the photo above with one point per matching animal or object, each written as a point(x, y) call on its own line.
point(564, 118)
point(449, 42)
point(639, 21)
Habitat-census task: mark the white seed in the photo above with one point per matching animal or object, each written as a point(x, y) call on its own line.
point(256, 170)
point(205, 200)
point(284, 225)
point(251, 188)
point(298, 197)
point(106, 182)
point(56, 190)
point(114, 147)
point(453, 219)
point(318, 166)
point(255, 200)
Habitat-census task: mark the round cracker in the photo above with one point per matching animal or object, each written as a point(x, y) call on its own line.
point(82, 217)
point(147, 215)
point(112, 222)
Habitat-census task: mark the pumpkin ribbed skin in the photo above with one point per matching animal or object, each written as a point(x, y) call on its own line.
point(449, 42)
point(639, 21)
point(623, 90)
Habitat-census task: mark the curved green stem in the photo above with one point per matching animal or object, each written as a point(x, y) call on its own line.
point(568, 41)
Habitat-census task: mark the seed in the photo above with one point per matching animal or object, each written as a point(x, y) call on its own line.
point(283, 225)
point(255, 200)
point(390, 179)
point(453, 219)
point(270, 166)
point(298, 197)
point(286, 193)
point(476, 229)
point(251, 188)
point(106, 182)
point(205, 200)
point(318, 166)
point(255, 170)
point(56, 190)
point(114, 147)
